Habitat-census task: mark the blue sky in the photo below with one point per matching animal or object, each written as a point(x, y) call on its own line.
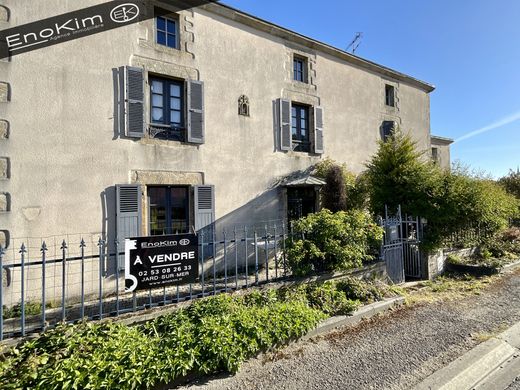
point(469, 49)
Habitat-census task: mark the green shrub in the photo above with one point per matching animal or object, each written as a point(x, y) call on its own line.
point(330, 300)
point(332, 242)
point(511, 183)
point(358, 290)
point(334, 196)
point(451, 201)
point(211, 335)
point(354, 195)
point(505, 244)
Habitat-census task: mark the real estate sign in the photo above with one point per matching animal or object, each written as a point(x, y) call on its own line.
point(161, 261)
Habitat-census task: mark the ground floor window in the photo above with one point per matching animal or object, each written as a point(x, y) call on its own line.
point(169, 210)
point(301, 201)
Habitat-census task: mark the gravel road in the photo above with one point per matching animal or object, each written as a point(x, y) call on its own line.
point(394, 351)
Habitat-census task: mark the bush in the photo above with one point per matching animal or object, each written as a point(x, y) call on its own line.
point(358, 290)
point(399, 175)
point(334, 196)
point(332, 242)
point(511, 183)
point(505, 244)
point(211, 335)
point(355, 195)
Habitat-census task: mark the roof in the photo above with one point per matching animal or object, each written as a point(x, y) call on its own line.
point(442, 140)
point(276, 30)
point(302, 181)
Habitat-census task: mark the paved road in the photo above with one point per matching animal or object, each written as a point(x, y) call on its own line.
point(395, 351)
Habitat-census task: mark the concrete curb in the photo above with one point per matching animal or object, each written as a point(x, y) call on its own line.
point(493, 364)
point(510, 267)
point(362, 313)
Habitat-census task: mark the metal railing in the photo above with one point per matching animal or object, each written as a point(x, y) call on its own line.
point(81, 278)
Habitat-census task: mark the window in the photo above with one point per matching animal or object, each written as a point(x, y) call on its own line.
point(435, 155)
point(390, 95)
point(168, 210)
point(167, 30)
point(300, 128)
point(167, 108)
point(386, 129)
point(300, 69)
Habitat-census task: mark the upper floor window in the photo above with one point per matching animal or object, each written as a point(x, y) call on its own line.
point(167, 31)
point(390, 95)
point(300, 69)
point(167, 107)
point(300, 128)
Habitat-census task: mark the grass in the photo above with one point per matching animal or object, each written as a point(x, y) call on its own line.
point(445, 288)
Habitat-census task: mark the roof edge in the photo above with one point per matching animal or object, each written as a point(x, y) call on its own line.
point(442, 140)
point(231, 13)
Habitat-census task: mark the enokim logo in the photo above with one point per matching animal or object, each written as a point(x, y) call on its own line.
point(184, 242)
point(82, 23)
point(124, 13)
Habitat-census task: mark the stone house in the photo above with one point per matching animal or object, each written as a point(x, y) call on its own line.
point(183, 120)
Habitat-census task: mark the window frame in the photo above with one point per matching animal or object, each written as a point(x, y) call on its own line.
point(300, 143)
point(168, 204)
point(435, 155)
point(304, 69)
point(176, 34)
point(390, 95)
point(177, 131)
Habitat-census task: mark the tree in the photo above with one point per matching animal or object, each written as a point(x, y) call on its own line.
point(356, 197)
point(511, 182)
point(398, 175)
point(334, 196)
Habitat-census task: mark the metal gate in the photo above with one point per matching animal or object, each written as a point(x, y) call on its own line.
point(401, 247)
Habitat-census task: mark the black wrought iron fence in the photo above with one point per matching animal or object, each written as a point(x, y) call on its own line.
point(45, 281)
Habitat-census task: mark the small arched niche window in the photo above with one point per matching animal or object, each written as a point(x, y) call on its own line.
point(243, 105)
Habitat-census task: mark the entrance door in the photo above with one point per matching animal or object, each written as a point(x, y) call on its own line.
point(168, 210)
point(301, 201)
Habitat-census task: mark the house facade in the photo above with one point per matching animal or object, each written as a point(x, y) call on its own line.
point(183, 120)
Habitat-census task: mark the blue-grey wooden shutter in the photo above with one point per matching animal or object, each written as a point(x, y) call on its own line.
point(195, 97)
point(318, 130)
point(284, 123)
point(205, 216)
point(134, 100)
point(128, 215)
point(204, 206)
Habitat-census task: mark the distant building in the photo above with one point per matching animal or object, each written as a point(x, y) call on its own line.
point(441, 151)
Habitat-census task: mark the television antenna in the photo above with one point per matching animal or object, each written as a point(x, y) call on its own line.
point(355, 42)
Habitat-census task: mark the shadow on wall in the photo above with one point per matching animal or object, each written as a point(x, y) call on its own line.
point(264, 209)
point(108, 223)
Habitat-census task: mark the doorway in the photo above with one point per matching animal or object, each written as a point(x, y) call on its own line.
point(301, 201)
